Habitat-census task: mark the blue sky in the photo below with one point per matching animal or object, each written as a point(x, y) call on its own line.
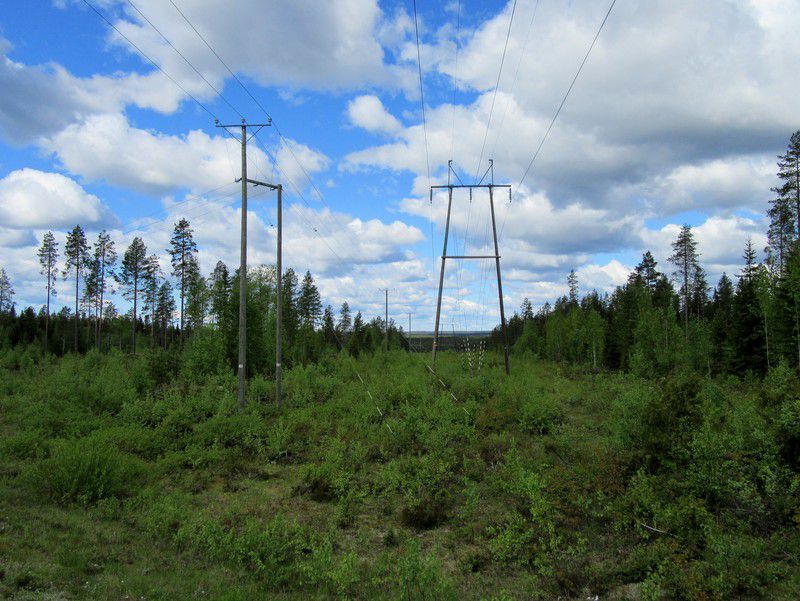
point(676, 118)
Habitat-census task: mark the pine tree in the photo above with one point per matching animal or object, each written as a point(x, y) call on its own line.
point(48, 260)
point(309, 304)
point(76, 252)
point(131, 276)
point(6, 292)
point(572, 282)
point(220, 291)
point(182, 250)
point(105, 260)
point(91, 291)
point(686, 261)
point(151, 277)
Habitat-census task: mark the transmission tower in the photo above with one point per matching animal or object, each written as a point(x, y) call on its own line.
point(496, 256)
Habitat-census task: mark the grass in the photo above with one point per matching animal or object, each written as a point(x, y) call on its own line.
point(120, 481)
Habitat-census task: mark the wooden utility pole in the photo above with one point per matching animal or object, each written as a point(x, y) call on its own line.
point(386, 323)
point(242, 363)
point(386, 319)
point(496, 256)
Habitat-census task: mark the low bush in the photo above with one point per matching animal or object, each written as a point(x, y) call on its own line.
point(84, 471)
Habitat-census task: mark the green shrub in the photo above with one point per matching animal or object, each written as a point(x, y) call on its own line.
point(204, 355)
point(24, 445)
point(241, 430)
point(85, 470)
point(538, 414)
point(419, 576)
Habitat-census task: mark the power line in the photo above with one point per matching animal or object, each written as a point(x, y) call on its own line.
point(186, 60)
point(151, 227)
point(188, 198)
point(422, 93)
point(455, 80)
point(566, 95)
point(154, 63)
point(516, 75)
point(560, 106)
point(287, 145)
point(496, 85)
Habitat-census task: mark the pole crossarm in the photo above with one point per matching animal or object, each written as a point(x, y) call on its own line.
point(471, 257)
point(255, 182)
point(471, 186)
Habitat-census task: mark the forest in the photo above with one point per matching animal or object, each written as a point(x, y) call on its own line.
point(645, 446)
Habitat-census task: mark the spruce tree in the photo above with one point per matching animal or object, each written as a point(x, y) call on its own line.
point(572, 283)
point(197, 296)
point(646, 271)
point(48, 260)
point(526, 309)
point(699, 291)
point(291, 317)
point(76, 252)
point(748, 332)
point(131, 276)
point(309, 304)
point(356, 343)
point(686, 261)
point(328, 327)
point(721, 316)
point(220, 291)
point(182, 249)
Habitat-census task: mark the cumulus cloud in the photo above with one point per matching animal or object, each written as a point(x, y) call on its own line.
point(298, 162)
point(33, 199)
point(108, 148)
point(722, 92)
point(368, 112)
point(329, 45)
point(40, 100)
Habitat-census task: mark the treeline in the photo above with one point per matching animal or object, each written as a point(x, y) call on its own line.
point(657, 322)
point(172, 308)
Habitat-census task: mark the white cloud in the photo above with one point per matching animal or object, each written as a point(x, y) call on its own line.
point(32, 199)
point(369, 113)
point(294, 44)
point(107, 148)
point(727, 183)
point(296, 161)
